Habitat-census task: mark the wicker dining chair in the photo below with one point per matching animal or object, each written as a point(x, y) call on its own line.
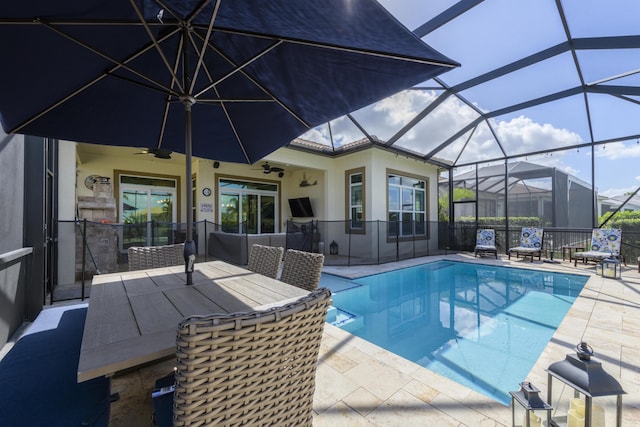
point(143, 257)
point(302, 269)
point(265, 260)
point(255, 368)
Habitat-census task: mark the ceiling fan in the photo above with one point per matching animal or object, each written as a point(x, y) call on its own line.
point(160, 153)
point(267, 168)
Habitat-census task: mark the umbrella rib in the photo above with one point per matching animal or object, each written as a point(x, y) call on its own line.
point(231, 100)
point(275, 98)
point(236, 67)
point(187, 23)
point(155, 43)
point(165, 114)
point(240, 69)
point(322, 45)
point(204, 48)
point(201, 53)
point(233, 128)
point(118, 64)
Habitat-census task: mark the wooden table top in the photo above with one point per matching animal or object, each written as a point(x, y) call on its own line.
point(133, 316)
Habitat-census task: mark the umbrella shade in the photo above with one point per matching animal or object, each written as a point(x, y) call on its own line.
point(87, 70)
point(239, 78)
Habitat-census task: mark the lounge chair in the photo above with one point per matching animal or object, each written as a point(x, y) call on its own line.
point(486, 242)
point(530, 243)
point(252, 368)
point(605, 243)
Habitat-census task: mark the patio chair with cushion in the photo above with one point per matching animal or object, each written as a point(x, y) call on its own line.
point(605, 243)
point(143, 257)
point(255, 368)
point(531, 239)
point(302, 269)
point(486, 242)
point(265, 260)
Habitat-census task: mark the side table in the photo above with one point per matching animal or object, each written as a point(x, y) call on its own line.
point(570, 249)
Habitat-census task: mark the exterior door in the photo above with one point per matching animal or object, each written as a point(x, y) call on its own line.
point(148, 215)
point(247, 207)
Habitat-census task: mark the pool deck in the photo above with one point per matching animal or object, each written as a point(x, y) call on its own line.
point(360, 384)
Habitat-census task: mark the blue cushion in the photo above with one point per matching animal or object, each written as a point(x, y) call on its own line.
point(38, 380)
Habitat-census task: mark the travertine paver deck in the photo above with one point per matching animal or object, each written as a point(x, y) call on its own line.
point(360, 384)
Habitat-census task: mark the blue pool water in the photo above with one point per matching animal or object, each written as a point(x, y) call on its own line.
point(479, 325)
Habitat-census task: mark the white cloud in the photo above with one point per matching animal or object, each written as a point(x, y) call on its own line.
point(525, 135)
point(617, 150)
point(613, 191)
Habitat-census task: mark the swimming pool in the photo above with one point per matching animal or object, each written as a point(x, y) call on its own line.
point(480, 325)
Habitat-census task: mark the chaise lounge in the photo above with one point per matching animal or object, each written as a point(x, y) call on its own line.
point(605, 243)
point(486, 243)
point(530, 243)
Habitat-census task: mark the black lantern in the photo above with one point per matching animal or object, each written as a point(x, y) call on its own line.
point(610, 267)
point(532, 410)
point(593, 398)
point(333, 248)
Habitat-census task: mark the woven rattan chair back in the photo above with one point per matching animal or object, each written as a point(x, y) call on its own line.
point(265, 260)
point(302, 269)
point(143, 257)
point(254, 369)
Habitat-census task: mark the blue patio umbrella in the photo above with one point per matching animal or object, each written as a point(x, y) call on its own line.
point(230, 80)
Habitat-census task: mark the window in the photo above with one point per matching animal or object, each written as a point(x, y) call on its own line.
point(355, 202)
point(407, 206)
point(247, 207)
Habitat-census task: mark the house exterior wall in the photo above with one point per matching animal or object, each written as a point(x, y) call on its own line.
point(327, 196)
point(66, 211)
point(325, 178)
point(12, 273)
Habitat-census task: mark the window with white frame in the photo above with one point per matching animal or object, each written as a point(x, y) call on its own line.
point(407, 206)
point(355, 200)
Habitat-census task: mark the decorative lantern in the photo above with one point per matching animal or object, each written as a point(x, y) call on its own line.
point(333, 248)
point(593, 398)
point(609, 267)
point(532, 410)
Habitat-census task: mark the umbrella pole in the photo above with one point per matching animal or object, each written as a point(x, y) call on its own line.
point(189, 244)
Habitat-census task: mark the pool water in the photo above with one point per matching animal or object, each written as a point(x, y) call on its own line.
point(482, 326)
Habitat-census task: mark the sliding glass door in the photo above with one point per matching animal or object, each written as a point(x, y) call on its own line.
point(147, 213)
point(247, 207)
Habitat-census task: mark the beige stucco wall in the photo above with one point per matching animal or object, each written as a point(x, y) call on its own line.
point(327, 196)
point(326, 173)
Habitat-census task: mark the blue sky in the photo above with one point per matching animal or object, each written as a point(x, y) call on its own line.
point(496, 33)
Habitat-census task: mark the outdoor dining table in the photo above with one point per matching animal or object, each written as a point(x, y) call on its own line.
point(133, 316)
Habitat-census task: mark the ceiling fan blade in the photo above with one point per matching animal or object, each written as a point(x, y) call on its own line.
point(160, 153)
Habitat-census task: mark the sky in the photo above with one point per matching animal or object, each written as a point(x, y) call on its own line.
point(496, 33)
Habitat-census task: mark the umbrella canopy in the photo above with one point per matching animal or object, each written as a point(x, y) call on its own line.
point(238, 77)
